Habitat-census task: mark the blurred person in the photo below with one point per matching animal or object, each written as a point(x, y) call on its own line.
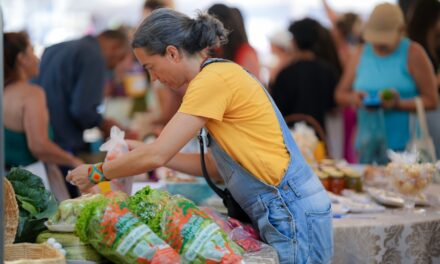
point(282, 53)
point(27, 132)
point(237, 49)
point(424, 28)
point(307, 85)
point(73, 74)
point(388, 60)
point(168, 100)
point(151, 5)
point(346, 32)
point(326, 50)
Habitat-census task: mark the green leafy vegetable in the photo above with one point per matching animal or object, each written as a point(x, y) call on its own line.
point(85, 215)
point(69, 209)
point(35, 203)
point(148, 204)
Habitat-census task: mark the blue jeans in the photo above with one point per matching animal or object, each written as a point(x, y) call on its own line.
point(296, 221)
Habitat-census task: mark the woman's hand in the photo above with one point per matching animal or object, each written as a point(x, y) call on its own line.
point(389, 99)
point(356, 98)
point(80, 177)
point(132, 144)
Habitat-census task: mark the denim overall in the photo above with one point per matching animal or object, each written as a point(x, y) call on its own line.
point(293, 217)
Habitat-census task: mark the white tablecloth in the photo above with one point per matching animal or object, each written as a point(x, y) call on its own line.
point(389, 237)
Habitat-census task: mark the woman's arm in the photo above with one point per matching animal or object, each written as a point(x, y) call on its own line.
point(36, 123)
point(180, 129)
point(331, 14)
point(344, 94)
point(421, 70)
point(189, 163)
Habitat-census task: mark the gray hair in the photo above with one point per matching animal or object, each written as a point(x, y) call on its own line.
point(166, 27)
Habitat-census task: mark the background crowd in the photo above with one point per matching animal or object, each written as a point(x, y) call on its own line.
point(367, 71)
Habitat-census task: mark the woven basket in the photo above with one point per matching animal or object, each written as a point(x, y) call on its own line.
point(11, 213)
point(26, 253)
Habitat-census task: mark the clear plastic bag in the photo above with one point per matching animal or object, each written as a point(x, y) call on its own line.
point(115, 147)
point(371, 143)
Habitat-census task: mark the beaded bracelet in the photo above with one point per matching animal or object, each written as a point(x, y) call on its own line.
point(96, 174)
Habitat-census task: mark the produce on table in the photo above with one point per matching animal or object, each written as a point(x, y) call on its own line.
point(35, 204)
point(194, 234)
point(75, 249)
point(117, 234)
point(411, 179)
point(69, 210)
point(148, 204)
point(189, 230)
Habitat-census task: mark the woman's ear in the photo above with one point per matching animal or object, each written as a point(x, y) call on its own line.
point(173, 54)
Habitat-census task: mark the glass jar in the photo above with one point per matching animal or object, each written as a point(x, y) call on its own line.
point(323, 177)
point(353, 180)
point(337, 182)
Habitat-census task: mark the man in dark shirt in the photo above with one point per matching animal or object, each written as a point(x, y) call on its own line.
point(305, 86)
point(73, 75)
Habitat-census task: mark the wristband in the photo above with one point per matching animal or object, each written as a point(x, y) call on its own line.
point(96, 174)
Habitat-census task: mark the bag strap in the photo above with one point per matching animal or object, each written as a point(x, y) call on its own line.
point(421, 116)
point(211, 184)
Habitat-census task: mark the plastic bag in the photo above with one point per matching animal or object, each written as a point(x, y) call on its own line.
point(68, 210)
point(371, 143)
point(197, 238)
point(120, 236)
point(115, 147)
point(242, 234)
point(306, 140)
point(421, 141)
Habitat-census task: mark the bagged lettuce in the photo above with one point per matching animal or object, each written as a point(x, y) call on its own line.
point(193, 234)
point(120, 236)
point(188, 230)
point(68, 210)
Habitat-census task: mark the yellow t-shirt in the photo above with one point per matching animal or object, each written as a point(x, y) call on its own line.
point(241, 119)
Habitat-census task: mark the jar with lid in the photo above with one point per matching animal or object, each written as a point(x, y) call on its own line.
point(323, 177)
point(337, 182)
point(353, 181)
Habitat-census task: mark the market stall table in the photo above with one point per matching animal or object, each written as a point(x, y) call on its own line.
point(389, 237)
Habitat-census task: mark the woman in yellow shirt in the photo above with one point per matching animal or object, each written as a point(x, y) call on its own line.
point(251, 146)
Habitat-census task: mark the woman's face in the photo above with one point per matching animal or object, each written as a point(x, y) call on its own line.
point(165, 68)
point(29, 62)
point(383, 49)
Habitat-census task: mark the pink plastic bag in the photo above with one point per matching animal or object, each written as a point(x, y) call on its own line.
point(242, 234)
